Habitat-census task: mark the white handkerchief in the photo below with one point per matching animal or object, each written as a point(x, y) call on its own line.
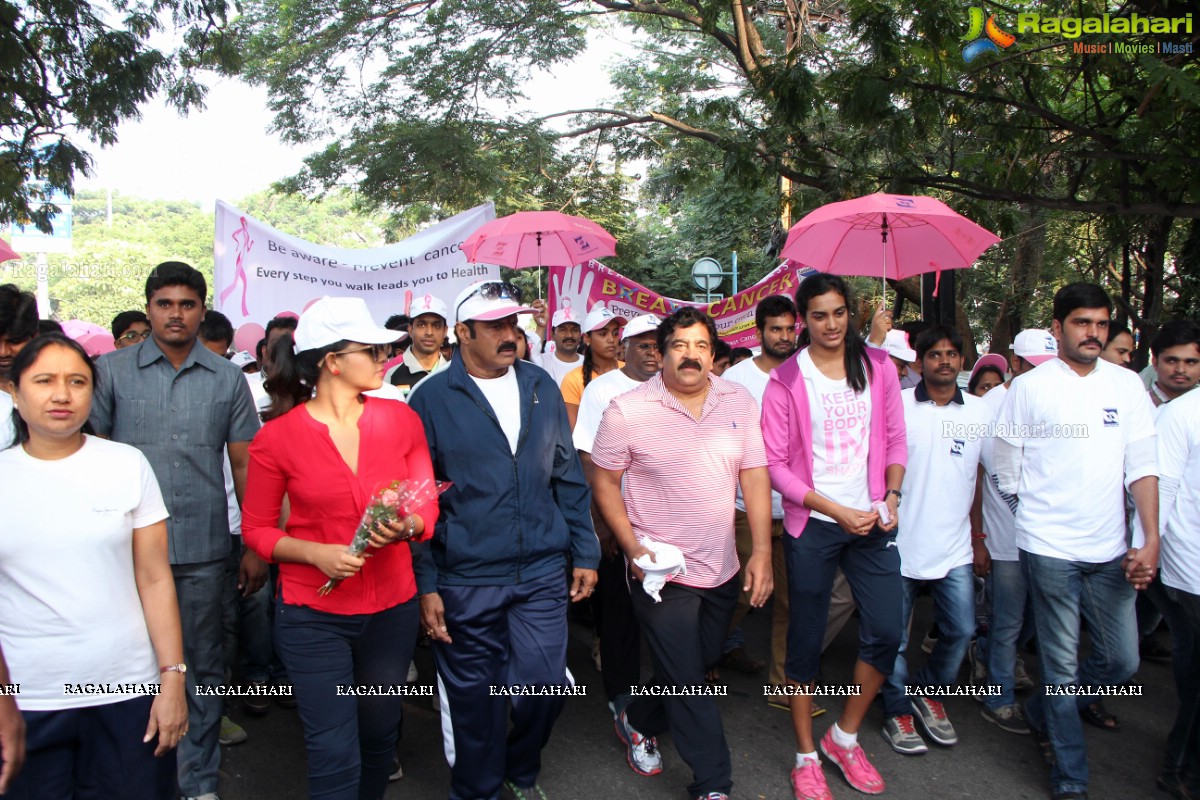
point(668, 562)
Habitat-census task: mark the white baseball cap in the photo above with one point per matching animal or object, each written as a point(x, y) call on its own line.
point(339, 319)
point(896, 344)
point(1035, 345)
point(563, 316)
point(241, 358)
point(600, 316)
point(489, 300)
point(428, 304)
point(645, 323)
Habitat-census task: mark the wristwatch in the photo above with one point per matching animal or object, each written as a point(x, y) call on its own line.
point(896, 492)
point(180, 668)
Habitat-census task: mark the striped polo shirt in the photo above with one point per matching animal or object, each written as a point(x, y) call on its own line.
point(681, 473)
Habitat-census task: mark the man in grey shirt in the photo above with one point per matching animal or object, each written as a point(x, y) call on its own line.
point(182, 405)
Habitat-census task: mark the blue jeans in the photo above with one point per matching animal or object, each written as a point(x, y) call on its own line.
point(1182, 760)
point(1061, 592)
point(199, 588)
point(1010, 626)
point(954, 612)
point(350, 740)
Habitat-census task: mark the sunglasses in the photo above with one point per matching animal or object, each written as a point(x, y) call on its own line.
point(493, 290)
point(378, 352)
point(134, 336)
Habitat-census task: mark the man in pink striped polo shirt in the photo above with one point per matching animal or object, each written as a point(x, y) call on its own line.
point(683, 442)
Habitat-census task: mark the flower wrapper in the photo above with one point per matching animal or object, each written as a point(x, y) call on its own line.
point(393, 502)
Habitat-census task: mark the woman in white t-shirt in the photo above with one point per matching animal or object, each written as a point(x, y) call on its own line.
point(833, 425)
point(89, 622)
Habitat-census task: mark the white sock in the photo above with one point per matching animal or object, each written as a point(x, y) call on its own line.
point(803, 759)
point(843, 739)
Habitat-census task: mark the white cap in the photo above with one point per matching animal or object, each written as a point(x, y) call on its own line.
point(563, 316)
point(1035, 345)
point(644, 323)
point(896, 344)
point(241, 358)
point(338, 319)
point(499, 300)
point(428, 304)
point(598, 317)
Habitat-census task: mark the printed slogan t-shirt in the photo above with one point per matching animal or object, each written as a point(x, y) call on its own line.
point(841, 428)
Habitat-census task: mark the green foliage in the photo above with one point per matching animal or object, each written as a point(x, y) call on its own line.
point(74, 68)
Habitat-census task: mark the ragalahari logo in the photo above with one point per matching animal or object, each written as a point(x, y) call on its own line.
point(984, 36)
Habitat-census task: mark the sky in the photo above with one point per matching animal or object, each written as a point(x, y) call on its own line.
point(225, 151)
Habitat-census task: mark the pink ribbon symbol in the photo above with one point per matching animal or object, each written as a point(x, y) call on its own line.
point(241, 238)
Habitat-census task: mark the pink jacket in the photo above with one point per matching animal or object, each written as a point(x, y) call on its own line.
point(787, 432)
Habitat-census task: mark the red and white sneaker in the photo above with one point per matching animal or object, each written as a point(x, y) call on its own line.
point(854, 765)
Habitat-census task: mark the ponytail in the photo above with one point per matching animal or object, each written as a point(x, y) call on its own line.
point(587, 366)
point(855, 360)
point(293, 375)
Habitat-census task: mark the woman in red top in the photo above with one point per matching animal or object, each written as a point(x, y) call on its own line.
point(328, 453)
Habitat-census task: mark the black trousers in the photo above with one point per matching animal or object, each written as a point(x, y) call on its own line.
point(618, 628)
point(685, 633)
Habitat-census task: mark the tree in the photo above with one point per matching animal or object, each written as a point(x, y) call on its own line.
point(77, 68)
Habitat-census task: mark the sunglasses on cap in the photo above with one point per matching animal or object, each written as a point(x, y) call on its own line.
point(492, 290)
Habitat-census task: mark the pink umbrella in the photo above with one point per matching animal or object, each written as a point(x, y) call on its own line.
point(537, 239)
point(7, 253)
point(97, 344)
point(77, 329)
point(892, 235)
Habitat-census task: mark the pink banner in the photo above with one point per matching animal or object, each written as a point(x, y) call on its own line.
point(584, 285)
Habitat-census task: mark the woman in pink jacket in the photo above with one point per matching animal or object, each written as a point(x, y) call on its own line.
point(834, 430)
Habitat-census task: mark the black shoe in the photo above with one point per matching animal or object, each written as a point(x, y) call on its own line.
point(1151, 650)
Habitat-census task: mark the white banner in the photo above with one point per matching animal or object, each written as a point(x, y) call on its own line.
point(260, 271)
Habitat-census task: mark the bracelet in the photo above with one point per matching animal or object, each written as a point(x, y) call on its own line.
point(412, 526)
point(979, 536)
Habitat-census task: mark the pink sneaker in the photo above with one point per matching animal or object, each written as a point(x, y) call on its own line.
point(854, 765)
point(808, 783)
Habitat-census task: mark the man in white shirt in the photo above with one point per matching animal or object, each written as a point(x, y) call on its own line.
point(1179, 497)
point(564, 356)
point(942, 517)
point(775, 320)
point(618, 629)
point(994, 654)
point(1071, 434)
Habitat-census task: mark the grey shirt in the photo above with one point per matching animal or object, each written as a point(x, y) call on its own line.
point(181, 420)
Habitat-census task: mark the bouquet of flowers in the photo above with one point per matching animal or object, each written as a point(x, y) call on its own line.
point(393, 502)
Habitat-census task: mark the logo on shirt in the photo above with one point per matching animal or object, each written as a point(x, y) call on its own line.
point(957, 447)
point(1111, 420)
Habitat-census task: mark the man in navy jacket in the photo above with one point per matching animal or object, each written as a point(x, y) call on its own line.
point(492, 580)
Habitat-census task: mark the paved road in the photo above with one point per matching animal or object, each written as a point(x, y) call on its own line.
point(584, 759)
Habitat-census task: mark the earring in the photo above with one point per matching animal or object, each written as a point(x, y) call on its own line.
point(336, 371)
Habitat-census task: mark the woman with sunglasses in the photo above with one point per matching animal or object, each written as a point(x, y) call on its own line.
point(329, 448)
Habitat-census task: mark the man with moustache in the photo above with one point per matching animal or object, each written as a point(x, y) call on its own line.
point(565, 357)
point(1072, 435)
point(684, 428)
point(620, 635)
point(183, 406)
point(491, 582)
point(427, 331)
point(775, 320)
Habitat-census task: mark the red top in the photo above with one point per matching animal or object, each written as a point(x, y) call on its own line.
point(294, 455)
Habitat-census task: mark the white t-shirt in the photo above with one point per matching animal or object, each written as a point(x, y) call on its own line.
point(504, 396)
point(69, 606)
point(750, 375)
point(939, 483)
point(1075, 435)
point(388, 392)
point(1179, 463)
point(596, 397)
point(841, 432)
point(557, 368)
point(999, 509)
point(7, 431)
